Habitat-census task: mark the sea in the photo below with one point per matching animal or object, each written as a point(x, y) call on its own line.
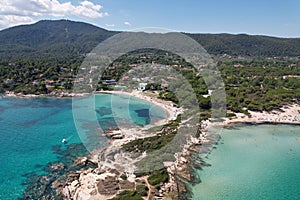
point(32, 130)
point(252, 162)
point(249, 162)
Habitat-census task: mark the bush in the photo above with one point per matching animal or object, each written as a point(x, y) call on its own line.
point(142, 190)
point(230, 115)
point(128, 195)
point(124, 177)
point(158, 177)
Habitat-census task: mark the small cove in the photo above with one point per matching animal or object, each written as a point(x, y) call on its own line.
point(32, 130)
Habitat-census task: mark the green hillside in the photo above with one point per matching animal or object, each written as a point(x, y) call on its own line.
point(248, 45)
point(50, 38)
point(64, 38)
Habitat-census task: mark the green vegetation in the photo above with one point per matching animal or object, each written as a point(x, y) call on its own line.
point(64, 38)
point(44, 39)
point(260, 84)
point(230, 115)
point(142, 190)
point(248, 45)
point(260, 73)
point(44, 58)
point(168, 95)
point(156, 142)
point(39, 76)
point(128, 195)
point(123, 176)
point(158, 177)
point(256, 84)
point(166, 83)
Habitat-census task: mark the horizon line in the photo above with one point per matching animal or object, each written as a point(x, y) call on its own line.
point(179, 31)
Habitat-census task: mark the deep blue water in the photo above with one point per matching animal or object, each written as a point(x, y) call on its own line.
point(30, 128)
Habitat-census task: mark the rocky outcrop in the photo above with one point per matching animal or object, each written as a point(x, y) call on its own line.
point(183, 170)
point(114, 133)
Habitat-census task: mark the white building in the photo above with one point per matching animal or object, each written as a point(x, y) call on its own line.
point(142, 86)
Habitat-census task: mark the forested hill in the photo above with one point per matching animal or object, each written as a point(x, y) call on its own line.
point(248, 45)
point(64, 38)
point(50, 38)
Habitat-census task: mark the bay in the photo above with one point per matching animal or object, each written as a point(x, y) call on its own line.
point(253, 162)
point(32, 128)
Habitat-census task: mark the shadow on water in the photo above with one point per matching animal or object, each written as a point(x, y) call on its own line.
point(40, 103)
point(143, 113)
point(35, 121)
point(3, 108)
point(197, 162)
point(104, 111)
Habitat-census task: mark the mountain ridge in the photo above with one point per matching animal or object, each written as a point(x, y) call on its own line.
point(51, 37)
point(64, 37)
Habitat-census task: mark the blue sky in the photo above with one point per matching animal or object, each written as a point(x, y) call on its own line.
point(276, 17)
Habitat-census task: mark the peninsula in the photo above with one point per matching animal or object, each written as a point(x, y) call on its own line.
point(261, 82)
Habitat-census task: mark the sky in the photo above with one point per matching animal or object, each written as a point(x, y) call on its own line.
point(256, 17)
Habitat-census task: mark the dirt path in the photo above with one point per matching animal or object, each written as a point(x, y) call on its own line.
point(149, 186)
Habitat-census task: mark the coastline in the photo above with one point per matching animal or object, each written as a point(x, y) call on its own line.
point(98, 183)
point(171, 111)
point(289, 114)
point(87, 182)
point(182, 170)
point(50, 95)
point(190, 159)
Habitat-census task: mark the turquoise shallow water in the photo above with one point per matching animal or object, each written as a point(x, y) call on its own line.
point(253, 162)
point(30, 128)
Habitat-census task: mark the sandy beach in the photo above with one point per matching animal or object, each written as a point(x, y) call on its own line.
point(289, 114)
point(86, 187)
point(54, 94)
point(117, 162)
point(134, 133)
point(166, 105)
point(182, 165)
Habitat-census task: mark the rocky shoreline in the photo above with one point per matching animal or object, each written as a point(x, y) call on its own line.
point(190, 159)
point(99, 181)
point(92, 180)
point(52, 94)
point(89, 178)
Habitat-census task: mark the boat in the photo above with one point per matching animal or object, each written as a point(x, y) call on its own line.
point(64, 140)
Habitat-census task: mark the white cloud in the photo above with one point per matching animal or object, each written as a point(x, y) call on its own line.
point(14, 12)
point(91, 5)
point(127, 23)
point(110, 25)
point(7, 20)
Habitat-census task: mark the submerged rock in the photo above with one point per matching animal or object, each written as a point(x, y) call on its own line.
point(57, 166)
point(58, 175)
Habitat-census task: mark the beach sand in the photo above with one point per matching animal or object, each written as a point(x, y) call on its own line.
point(120, 161)
point(287, 115)
point(166, 105)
